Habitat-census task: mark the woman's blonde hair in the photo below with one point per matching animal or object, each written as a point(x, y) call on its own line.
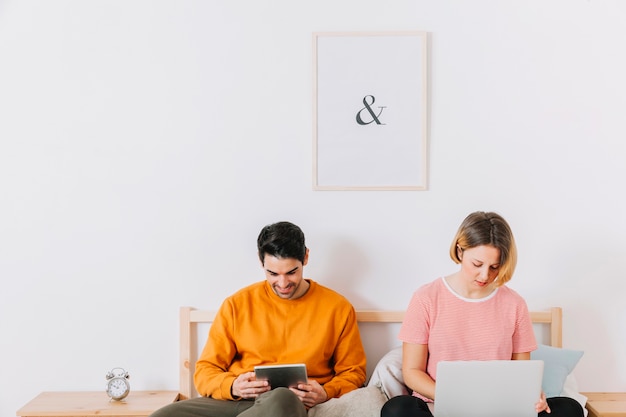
point(487, 228)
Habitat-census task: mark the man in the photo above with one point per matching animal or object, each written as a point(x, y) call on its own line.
point(284, 319)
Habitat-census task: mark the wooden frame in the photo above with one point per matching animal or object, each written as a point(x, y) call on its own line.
point(370, 117)
point(191, 317)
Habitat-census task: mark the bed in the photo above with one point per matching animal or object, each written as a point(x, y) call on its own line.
point(385, 380)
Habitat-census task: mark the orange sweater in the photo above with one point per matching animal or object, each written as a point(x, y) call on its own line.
point(256, 327)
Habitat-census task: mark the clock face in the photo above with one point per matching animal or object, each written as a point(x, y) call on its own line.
point(118, 388)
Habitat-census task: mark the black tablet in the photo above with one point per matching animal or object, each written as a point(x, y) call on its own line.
point(289, 375)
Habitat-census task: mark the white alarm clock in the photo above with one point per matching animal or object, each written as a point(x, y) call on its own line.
point(118, 386)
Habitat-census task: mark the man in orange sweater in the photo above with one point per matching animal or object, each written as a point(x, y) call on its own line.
point(282, 320)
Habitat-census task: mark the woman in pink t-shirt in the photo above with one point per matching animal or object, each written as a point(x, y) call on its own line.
point(469, 315)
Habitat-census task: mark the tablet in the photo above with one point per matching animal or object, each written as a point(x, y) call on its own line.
point(289, 375)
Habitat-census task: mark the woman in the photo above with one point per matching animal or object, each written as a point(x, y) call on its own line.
point(469, 315)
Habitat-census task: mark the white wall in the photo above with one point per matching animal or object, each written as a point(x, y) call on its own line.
point(143, 144)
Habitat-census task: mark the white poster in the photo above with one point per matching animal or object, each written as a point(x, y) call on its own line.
point(370, 111)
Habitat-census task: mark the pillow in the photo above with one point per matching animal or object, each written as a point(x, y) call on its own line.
point(387, 375)
point(558, 364)
point(361, 402)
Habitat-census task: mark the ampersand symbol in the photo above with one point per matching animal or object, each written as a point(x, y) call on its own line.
point(375, 117)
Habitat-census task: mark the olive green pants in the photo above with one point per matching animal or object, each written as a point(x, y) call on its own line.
point(279, 402)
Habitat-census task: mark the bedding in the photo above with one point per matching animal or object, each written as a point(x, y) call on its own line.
point(362, 402)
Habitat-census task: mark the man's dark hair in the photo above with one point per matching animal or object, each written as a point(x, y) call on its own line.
point(282, 240)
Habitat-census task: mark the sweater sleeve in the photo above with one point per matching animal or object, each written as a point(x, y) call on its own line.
point(212, 378)
point(350, 362)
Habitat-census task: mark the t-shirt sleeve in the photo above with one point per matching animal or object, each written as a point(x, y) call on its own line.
point(416, 324)
point(524, 336)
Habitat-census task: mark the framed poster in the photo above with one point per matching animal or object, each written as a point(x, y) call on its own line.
point(370, 126)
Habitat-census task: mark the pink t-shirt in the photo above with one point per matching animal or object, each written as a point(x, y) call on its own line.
point(458, 328)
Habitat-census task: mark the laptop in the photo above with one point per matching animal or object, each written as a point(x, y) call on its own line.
point(488, 388)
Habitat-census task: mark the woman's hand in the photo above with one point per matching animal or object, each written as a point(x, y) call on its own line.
point(542, 404)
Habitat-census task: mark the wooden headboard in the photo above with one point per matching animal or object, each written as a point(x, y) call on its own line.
point(191, 317)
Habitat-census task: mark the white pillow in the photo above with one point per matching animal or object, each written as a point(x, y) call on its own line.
point(388, 374)
point(570, 389)
point(362, 402)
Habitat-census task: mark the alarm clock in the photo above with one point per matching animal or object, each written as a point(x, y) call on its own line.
point(118, 386)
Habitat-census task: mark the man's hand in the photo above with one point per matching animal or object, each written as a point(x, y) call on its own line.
point(311, 393)
point(246, 386)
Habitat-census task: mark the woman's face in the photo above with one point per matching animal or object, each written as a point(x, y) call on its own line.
point(480, 265)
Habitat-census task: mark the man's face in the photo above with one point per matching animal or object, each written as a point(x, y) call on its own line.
point(285, 276)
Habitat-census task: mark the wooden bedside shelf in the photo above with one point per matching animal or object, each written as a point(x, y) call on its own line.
point(96, 403)
point(606, 404)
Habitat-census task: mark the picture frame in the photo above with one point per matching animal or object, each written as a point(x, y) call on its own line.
point(370, 110)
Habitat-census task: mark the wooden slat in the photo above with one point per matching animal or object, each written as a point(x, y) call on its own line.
point(379, 316)
point(556, 327)
point(553, 318)
point(186, 330)
point(202, 316)
point(541, 316)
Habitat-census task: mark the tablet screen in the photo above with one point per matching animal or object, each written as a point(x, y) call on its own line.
point(289, 375)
